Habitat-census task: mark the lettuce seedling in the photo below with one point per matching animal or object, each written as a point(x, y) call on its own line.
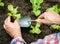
point(1, 3)
point(36, 5)
point(13, 12)
point(54, 9)
point(35, 29)
point(55, 27)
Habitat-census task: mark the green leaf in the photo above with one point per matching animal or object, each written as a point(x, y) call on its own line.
point(55, 26)
point(54, 9)
point(17, 16)
point(39, 2)
point(15, 10)
point(38, 31)
point(32, 1)
point(37, 13)
point(36, 2)
point(35, 29)
point(1, 4)
point(59, 10)
point(32, 26)
point(10, 7)
point(36, 5)
point(32, 31)
point(37, 25)
point(9, 14)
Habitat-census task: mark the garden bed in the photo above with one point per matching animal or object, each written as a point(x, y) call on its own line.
point(25, 8)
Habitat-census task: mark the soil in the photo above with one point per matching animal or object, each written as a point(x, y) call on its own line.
point(25, 8)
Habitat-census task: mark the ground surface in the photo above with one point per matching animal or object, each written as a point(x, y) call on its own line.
point(25, 9)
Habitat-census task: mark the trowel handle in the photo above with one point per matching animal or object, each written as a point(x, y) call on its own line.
point(38, 20)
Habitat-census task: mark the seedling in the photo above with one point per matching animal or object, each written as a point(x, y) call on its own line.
point(35, 29)
point(13, 12)
point(55, 27)
point(54, 9)
point(36, 4)
point(1, 3)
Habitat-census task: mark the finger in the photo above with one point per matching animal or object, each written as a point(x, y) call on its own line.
point(7, 20)
point(41, 16)
point(44, 21)
point(4, 26)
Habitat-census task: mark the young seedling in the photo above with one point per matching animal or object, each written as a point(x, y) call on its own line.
point(54, 9)
point(55, 27)
point(36, 5)
point(1, 3)
point(13, 12)
point(35, 29)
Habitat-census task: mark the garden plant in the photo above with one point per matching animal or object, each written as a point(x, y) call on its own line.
point(1, 3)
point(36, 5)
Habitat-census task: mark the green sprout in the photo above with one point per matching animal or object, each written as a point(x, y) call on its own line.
point(35, 29)
point(13, 12)
point(54, 9)
point(1, 3)
point(36, 5)
point(55, 27)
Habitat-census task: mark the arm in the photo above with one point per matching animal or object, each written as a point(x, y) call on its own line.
point(50, 39)
point(13, 29)
point(49, 18)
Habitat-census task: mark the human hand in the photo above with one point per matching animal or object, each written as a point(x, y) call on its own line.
point(13, 29)
point(49, 18)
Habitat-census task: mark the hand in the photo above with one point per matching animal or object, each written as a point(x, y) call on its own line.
point(49, 18)
point(13, 29)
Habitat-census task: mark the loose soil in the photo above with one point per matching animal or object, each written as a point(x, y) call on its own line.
point(25, 8)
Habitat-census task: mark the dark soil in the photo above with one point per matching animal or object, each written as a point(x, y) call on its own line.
point(25, 8)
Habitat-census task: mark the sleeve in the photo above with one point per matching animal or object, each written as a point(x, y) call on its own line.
point(18, 40)
point(50, 39)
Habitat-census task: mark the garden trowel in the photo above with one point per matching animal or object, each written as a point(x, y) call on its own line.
point(25, 21)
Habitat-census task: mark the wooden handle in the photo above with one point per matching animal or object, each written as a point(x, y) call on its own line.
point(38, 20)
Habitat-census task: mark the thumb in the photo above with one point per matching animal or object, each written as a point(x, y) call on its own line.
point(43, 21)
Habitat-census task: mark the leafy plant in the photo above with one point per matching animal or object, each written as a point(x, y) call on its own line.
point(55, 27)
point(36, 5)
point(35, 29)
point(1, 3)
point(13, 12)
point(55, 9)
